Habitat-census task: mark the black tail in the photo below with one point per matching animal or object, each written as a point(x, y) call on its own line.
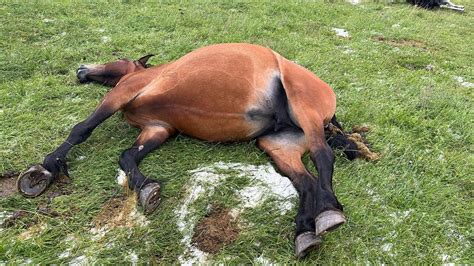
point(337, 139)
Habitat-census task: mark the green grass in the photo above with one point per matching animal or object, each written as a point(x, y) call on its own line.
point(414, 205)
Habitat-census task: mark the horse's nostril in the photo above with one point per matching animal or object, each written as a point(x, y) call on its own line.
point(82, 75)
point(80, 71)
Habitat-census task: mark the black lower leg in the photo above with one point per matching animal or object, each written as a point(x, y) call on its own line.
point(306, 187)
point(131, 158)
point(323, 158)
point(55, 162)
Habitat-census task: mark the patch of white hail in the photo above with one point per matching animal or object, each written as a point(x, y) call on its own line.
point(400, 216)
point(265, 183)
point(70, 242)
point(463, 83)
point(375, 197)
point(3, 216)
point(105, 39)
point(79, 261)
point(133, 258)
point(121, 177)
point(203, 179)
point(263, 261)
point(98, 233)
point(387, 247)
point(341, 32)
point(445, 257)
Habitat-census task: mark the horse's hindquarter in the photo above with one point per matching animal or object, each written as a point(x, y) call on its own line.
point(309, 97)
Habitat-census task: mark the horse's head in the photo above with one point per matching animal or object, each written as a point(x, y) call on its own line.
point(110, 73)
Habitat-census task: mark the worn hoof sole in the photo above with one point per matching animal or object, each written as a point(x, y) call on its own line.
point(328, 221)
point(306, 242)
point(34, 181)
point(150, 197)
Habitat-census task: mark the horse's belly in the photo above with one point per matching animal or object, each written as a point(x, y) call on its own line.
point(201, 124)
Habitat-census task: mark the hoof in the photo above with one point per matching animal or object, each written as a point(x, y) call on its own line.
point(306, 242)
point(328, 221)
point(150, 197)
point(34, 181)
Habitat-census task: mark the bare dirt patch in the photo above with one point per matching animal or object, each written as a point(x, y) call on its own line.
point(119, 212)
point(401, 42)
point(215, 231)
point(8, 183)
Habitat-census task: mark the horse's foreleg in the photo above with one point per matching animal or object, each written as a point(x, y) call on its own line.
point(149, 190)
point(286, 148)
point(36, 179)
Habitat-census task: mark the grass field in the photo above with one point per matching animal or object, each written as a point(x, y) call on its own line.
point(406, 73)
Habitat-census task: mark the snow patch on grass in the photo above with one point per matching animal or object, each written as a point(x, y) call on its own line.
point(464, 83)
point(121, 177)
point(265, 182)
point(105, 39)
point(387, 247)
point(133, 258)
point(341, 32)
point(79, 261)
point(98, 233)
point(263, 261)
point(4, 215)
point(70, 242)
point(400, 216)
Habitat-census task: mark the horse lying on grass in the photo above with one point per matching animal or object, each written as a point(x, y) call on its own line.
point(430, 4)
point(224, 92)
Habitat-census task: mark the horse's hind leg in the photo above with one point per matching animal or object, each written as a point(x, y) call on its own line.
point(36, 179)
point(286, 148)
point(148, 189)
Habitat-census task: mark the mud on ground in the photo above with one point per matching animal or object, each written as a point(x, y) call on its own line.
point(119, 212)
point(8, 183)
point(400, 43)
point(216, 230)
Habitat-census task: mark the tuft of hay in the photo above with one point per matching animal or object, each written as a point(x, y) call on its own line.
point(356, 137)
point(364, 151)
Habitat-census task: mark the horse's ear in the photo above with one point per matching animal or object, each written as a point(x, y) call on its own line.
point(144, 59)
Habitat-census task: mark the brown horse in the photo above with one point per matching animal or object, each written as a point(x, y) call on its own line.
point(224, 92)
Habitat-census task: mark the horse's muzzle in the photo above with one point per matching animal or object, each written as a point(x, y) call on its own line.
point(82, 72)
